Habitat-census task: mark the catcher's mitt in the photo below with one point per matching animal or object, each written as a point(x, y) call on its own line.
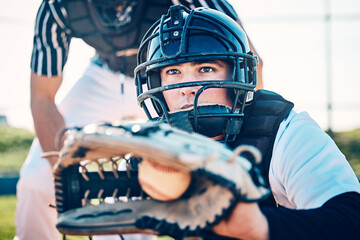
point(88, 169)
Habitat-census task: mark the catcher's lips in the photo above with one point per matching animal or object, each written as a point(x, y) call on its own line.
point(188, 216)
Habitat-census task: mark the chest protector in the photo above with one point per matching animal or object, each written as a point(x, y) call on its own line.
point(261, 123)
point(116, 45)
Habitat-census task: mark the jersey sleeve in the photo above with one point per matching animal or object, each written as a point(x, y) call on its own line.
point(314, 184)
point(220, 5)
point(50, 44)
point(307, 168)
point(338, 218)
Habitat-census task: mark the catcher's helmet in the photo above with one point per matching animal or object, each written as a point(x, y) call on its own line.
point(184, 36)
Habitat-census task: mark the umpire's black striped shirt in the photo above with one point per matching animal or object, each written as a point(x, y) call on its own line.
point(52, 39)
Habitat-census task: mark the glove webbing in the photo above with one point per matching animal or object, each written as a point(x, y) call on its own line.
point(76, 185)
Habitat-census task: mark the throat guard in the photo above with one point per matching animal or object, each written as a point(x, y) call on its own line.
point(208, 120)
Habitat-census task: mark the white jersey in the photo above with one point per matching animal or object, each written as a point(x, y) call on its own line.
point(303, 155)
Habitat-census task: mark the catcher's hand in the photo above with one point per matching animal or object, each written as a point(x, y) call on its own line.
point(219, 179)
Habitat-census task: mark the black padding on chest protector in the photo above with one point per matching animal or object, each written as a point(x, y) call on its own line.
point(261, 123)
point(112, 45)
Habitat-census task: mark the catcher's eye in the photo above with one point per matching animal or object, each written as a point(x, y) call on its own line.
point(172, 71)
point(206, 70)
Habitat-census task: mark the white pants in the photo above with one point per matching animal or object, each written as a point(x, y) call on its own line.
point(95, 97)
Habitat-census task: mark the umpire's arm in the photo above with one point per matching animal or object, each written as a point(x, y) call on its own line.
point(47, 119)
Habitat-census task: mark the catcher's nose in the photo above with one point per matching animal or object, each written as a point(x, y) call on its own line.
point(189, 91)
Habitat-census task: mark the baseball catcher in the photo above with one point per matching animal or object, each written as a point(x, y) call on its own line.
point(195, 169)
point(88, 173)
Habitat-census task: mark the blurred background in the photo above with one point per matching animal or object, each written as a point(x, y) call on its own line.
point(310, 50)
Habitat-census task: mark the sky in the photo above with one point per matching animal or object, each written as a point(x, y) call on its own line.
point(302, 54)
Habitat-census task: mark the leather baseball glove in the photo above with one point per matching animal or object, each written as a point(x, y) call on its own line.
point(95, 197)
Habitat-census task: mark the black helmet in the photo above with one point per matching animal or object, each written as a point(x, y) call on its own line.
point(184, 36)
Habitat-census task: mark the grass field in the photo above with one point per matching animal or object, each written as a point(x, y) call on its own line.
point(14, 146)
point(15, 143)
point(7, 217)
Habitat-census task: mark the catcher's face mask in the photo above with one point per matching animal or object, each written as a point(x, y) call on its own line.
point(200, 35)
